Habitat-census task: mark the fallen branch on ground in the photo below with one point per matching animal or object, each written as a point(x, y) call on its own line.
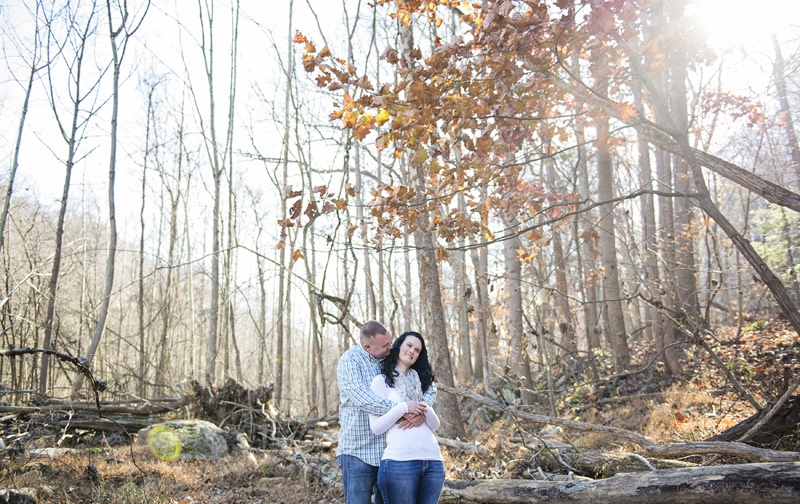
point(731, 484)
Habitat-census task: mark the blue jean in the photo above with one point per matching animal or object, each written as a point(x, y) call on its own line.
point(411, 481)
point(359, 480)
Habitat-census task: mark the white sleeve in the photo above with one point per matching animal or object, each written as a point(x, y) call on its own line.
point(381, 424)
point(431, 419)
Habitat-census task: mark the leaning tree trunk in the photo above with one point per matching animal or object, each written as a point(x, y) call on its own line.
point(706, 203)
point(23, 115)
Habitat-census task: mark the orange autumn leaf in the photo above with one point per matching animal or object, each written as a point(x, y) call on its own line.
point(442, 254)
point(297, 255)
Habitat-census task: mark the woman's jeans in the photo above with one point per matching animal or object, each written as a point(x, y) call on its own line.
point(359, 479)
point(411, 481)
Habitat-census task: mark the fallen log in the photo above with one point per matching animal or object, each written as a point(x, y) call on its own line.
point(128, 426)
point(783, 422)
point(740, 450)
point(155, 409)
point(605, 465)
point(460, 445)
point(732, 484)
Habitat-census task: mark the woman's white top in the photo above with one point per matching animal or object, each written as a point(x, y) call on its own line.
point(416, 443)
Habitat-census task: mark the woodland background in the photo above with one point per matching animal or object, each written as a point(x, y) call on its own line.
point(213, 190)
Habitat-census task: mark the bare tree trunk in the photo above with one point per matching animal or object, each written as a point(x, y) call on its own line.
point(516, 332)
point(163, 361)
point(667, 329)
point(141, 388)
point(112, 217)
point(586, 243)
point(12, 172)
point(462, 297)
point(561, 297)
point(686, 285)
point(590, 271)
point(430, 289)
point(53, 283)
point(786, 114)
point(72, 139)
point(650, 253)
point(288, 347)
point(431, 298)
point(193, 347)
point(611, 289)
point(321, 400)
point(279, 349)
point(480, 262)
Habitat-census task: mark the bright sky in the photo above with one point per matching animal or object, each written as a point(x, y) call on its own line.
point(741, 32)
point(739, 22)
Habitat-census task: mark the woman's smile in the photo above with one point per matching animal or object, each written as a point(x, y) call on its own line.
point(409, 351)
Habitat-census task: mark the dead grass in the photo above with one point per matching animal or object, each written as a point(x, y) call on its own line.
point(140, 478)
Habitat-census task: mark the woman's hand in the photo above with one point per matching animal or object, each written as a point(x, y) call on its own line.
point(416, 408)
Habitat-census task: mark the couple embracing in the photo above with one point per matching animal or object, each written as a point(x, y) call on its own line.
point(386, 441)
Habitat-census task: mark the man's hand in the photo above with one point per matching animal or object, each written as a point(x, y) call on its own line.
point(415, 416)
point(410, 420)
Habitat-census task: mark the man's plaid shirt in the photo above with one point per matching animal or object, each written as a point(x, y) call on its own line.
point(354, 372)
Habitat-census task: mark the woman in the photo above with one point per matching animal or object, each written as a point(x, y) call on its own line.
point(411, 470)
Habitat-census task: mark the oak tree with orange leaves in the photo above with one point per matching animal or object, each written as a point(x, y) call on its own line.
point(476, 111)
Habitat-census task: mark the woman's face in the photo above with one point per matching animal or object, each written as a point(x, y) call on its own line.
point(409, 350)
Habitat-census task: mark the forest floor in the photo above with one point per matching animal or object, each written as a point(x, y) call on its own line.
point(691, 407)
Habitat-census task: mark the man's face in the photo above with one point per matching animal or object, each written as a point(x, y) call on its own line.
point(379, 346)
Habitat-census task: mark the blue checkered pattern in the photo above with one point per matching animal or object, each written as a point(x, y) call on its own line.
point(354, 372)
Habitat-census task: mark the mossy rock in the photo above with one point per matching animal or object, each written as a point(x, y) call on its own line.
point(185, 439)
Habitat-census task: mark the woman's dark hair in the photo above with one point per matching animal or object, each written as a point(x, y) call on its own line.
point(422, 366)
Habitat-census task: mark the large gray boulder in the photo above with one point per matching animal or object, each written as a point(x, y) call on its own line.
point(184, 439)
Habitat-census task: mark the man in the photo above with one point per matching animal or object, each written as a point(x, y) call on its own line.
point(359, 451)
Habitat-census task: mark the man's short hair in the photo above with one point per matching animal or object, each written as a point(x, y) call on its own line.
point(371, 329)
